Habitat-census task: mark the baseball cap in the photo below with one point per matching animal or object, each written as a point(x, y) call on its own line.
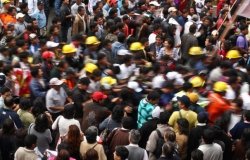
point(202, 117)
point(154, 3)
point(184, 99)
point(2, 79)
point(51, 44)
point(123, 52)
point(172, 9)
point(55, 82)
point(48, 54)
point(98, 96)
point(20, 15)
point(135, 86)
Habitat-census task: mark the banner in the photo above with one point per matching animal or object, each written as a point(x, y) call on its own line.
point(244, 9)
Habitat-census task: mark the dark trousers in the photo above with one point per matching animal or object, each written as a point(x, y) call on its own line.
point(64, 33)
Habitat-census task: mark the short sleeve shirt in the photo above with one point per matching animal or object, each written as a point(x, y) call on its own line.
point(55, 98)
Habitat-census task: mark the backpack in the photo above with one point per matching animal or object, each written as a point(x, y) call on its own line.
point(159, 143)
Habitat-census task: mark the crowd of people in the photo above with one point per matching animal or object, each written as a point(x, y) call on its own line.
point(124, 79)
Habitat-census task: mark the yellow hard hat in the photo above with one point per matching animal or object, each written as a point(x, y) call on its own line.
point(92, 40)
point(195, 51)
point(197, 81)
point(220, 86)
point(194, 97)
point(5, 1)
point(108, 80)
point(90, 67)
point(68, 48)
point(233, 54)
point(136, 46)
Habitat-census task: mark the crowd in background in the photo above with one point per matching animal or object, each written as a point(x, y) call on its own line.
point(124, 79)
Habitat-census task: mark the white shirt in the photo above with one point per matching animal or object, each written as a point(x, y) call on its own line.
point(230, 93)
point(126, 71)
point(199, 4)
point(158, 81)
point(152, 38)
point(211, 151)
point(55, 98)
point(32, 5)
point(93, 86)
point(74, 8)
point(64, 124)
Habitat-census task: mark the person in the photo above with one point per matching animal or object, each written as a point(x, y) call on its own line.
point(182, 137)
point(66, 17)
point(168, 152)
point(135, 152)
point(5, 92)
point(20, 26)
point(40, 16)
point(241, 145)
point(27, 152)
point(55, 97)
point(73, 139)
point(146, 107)
point(25, 112)
point(91, 143)
point(80, 22)
point(210, 149)
point(94, 112)
point(65, 120)
point(121, 153)
point(184, 112)
point(41, 130)
point(168, 50)
point(241, 41)
point(197, 155)
point(91, 154)
point(8, 112)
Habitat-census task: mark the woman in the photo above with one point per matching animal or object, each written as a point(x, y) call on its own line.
point(242, 145)
point(74, 139)
point(91, 154)
point(41, 130)
point(182, 137)
point(63, 122)
point(91, 143)
point(169, 50)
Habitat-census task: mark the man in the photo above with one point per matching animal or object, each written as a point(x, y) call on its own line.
point(210, 149)
point(118, 45)
point(27, 152)
point(40, 16)
point(56, 97)
point(94, 112)
point(5, 92)
point(24, 10)
point(146, 107)
point(157, 31)
point(156, 47)
point(75, 7)
point(80, 95)
point(8, 112)
point(121, 153)
point(184, 112)
point(188, 41)
point(80, 23)
point(241, 40)
point(106, 50)
point(20, 26)
point(218, 104)
point(66, 17)
point(135, 152)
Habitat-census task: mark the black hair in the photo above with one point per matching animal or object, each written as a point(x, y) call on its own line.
point(84, 81)
point(9, 101)
point(154, 95)
point(23, 5)
point(11, 9)
point(183, 126)
point(9, 39)
point(30, 140)
point(170, 42)
point(247, 115)
point(122, 152)
point(100, 56)
point(168, 149)
point(79, 9)
point(120, 25)
point(187, 86)
point(41, 123)
point(197, 155)
point(192, 28)
point(34, 71)
point(8, 127)
point(97, 73)
point(106, 42)
point(69, 111)
point(164, 117)
point(4, 90)
point(113, 28)
point(38, 106)
point(156, 27)
point(127, 122)
point(91, 134)
point(121, 37)
point(208, 136)
point(243, 27)
point(117, 114)
point(202, 119)
point(25, 103)
point(77, 37)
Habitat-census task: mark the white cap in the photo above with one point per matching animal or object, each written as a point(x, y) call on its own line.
point(172, 75)
point(55, 82)
point(135, 86)
point(155, 3)
point(20, 15)
point(172, 9)
point(32, 36)
point(51, 44)
point(123, 52)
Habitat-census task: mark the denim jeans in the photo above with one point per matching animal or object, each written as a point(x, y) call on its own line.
point(57, 4)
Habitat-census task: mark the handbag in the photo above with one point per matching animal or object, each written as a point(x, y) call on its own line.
point(104, 134)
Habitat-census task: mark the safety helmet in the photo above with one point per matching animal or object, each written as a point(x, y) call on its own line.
point(197, 81)
point(136, 46)
point(195, 51)
point(233, 54)
point(48, 54)
point(220, 86)
point(68, 48)
point(92, 40)
point(108, 80)
point(90, 67)
point(194, 97)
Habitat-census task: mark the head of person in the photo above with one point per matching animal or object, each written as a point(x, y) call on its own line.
point(41, 123)
point(81, 10)
point(12, 11)
point(30, 141)
point(197, 155)
point(202, 117)
point(8, 127)
point(169, 43)
point(5, 92)
point(193, 28)
point(83, 83)
point(91, 134)
point(164, 117)
point(208, 136)
point(96, 75)
point(99, 97)
point(91, 154)
point(121, 153)
point(244, 29)
point(183, 126)
point(40, 5)
point(25, 104)
point(153, 97)
point(74, 137)
point(220, 88)
point(127, 123)
point(63, 154)
point(170, 136)
point(158, 40)
point(69, 111)
point(65, 2)
point(247, 115)
point(55, 83)
point(9, 102)
point(184, 102)
point(117, 114)
point(134, 136)
point(36, 72)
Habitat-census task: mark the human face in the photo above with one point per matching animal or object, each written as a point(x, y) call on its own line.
point(116, 157)
point(82, 86)
point(158, 41)
point(100, 21)
point(40, 73)
point(40, 7)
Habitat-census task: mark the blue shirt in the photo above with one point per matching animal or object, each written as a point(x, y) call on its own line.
point(40, 17)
